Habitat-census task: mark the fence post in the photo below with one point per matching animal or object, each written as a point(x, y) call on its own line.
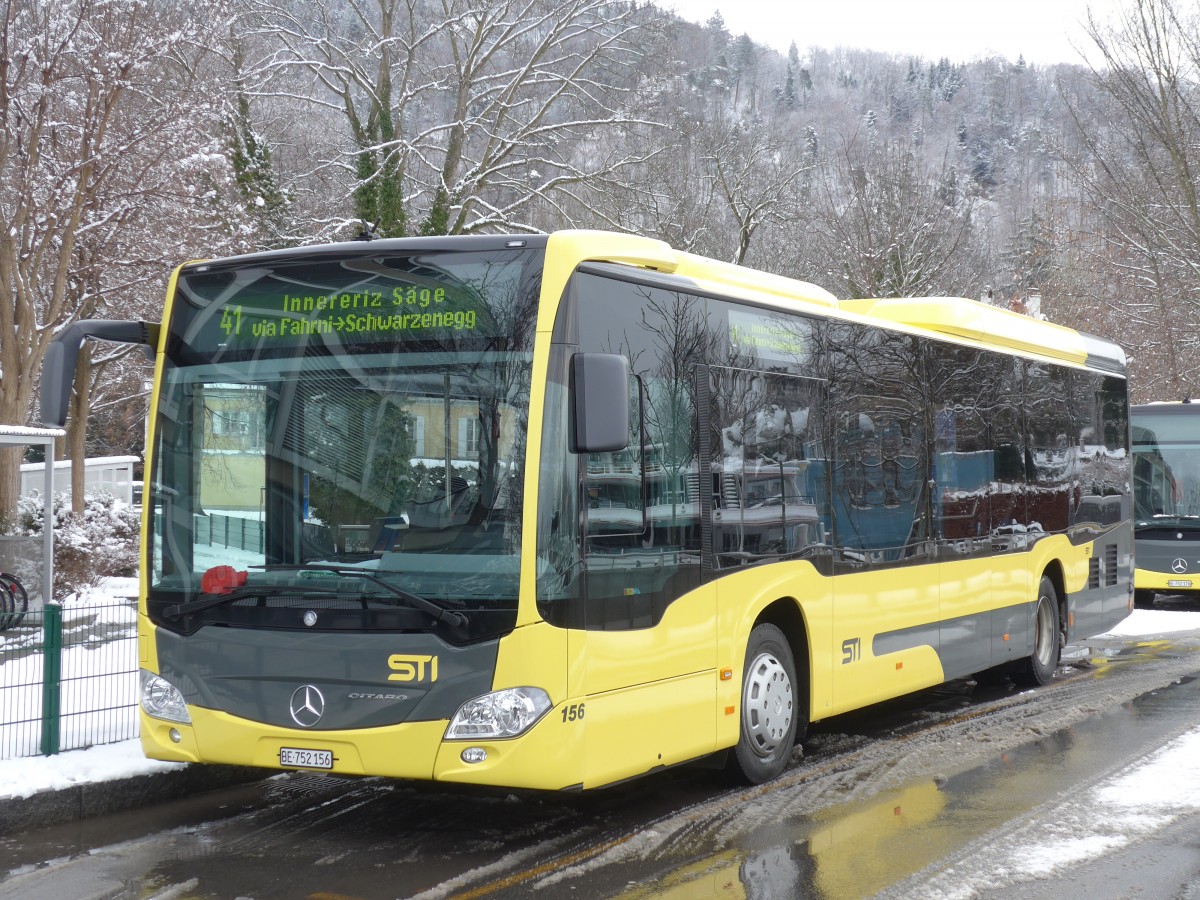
point(51, 676)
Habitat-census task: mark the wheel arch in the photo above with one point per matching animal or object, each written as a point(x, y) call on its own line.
point(787, 615)
point(1054, 571)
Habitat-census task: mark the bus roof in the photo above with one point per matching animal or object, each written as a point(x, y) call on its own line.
point(1170, 407)
point(996, 326)
point(956, 317)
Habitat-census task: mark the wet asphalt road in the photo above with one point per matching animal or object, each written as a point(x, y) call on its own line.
point(885, 800)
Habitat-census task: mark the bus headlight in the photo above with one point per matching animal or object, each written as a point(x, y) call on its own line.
point(162, 699)
point(501, 714)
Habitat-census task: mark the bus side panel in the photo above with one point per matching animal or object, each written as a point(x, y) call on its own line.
point(986, 612)
point(1090, 609)
point(649, 693)
point(988, 603)
point(633, 731)
point(967, 618)
point(1108, 594)
point(1012, 582)
point(1013, 588)
point(886, 635)
point(1085, 603)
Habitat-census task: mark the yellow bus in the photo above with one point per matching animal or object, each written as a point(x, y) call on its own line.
point(558, 511)
point(1166, 498)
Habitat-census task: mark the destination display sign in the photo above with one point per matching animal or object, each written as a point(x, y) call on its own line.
point(406, 310)
point(768, 338)
point(454, 297)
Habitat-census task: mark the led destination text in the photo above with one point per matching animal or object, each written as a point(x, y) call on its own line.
point(336, 314)
point(401, 296)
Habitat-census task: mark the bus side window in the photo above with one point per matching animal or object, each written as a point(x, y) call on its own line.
point(768, 490)
point(879, 443)
point(641, 548)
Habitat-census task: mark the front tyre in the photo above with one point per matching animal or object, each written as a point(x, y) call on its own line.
point(1038, 668)
point(771, 710)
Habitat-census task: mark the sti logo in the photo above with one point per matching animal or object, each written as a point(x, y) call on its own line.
point(413, 668)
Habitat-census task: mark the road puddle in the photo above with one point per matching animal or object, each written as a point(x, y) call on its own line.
point(860, 849)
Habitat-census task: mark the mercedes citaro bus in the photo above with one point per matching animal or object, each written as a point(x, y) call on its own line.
point(557, 511)
point(1166, 495)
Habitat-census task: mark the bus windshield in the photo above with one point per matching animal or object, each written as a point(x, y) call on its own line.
point(343, 435)
point(1166, 470)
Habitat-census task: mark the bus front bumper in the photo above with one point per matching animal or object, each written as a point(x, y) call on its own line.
point(539, 759)
point(1165, 582)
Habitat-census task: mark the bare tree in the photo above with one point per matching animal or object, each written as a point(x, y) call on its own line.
point(888, 226)
point(1139, 170)
point(95, 100)
point(754, 171)
point(462, 116)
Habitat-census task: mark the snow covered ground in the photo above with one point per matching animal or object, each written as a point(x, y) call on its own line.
point(27, 775)
point(98, 674)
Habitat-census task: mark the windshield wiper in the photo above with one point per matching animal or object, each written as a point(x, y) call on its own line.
point(451, 617)
point(259, 590)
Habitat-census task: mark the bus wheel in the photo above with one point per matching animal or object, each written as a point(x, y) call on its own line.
point(1039, 668)
point(1143, 599)
point(770, 711)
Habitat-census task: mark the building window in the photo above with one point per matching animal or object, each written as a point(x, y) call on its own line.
point(470, 435)
point(417, 430)
point(231, 421)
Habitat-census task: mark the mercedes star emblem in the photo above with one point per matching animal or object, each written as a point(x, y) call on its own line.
point(307, 706)
point(1179, 566)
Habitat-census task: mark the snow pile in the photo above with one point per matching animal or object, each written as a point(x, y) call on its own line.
point(99, 542)
point(1146, 622)
point(31, 775)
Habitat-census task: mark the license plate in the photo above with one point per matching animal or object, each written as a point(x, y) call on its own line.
point(306, 759)
point(1179, 584)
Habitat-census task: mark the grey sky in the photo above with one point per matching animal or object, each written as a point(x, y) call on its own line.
point(1042, 30)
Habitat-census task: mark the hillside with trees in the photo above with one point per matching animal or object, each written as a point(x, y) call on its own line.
point(142, 134)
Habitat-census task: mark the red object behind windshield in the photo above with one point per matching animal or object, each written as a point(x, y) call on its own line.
point(221, 580)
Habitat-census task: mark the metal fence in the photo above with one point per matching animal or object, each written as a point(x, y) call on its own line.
point(68, 679)
point(230, 531)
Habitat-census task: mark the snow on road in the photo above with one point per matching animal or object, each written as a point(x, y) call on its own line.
point(1129, 805)
point(1122, 807)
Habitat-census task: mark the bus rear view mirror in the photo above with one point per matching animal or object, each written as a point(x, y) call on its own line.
point(58, 364)
point(599, 402)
